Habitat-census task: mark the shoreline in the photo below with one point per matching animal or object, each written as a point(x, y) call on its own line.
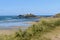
point(13, 29)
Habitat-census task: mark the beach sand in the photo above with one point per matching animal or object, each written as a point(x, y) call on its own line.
point(6, 32)
point(9, 31)
point(12, 30)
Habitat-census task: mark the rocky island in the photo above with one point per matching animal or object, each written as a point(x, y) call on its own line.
point(33, 16)
point(28, 16)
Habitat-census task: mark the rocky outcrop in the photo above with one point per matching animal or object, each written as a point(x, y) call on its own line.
point(30, 15)
point(21, 16)
point(27, 16)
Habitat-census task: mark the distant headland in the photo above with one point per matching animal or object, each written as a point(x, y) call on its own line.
point(28, 16)
point(57, 15)
point(31, 16)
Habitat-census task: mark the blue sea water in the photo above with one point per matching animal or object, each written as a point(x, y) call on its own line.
point(11, 21)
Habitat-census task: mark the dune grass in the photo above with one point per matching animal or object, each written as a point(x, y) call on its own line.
point(36, 31)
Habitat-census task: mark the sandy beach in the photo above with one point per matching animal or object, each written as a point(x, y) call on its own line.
point(12, 30)
point(6, 32)
point(9, 31)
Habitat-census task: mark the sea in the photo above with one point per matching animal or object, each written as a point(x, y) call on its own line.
point(14, 21)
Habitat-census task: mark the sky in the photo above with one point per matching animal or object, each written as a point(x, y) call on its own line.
point(38, 7)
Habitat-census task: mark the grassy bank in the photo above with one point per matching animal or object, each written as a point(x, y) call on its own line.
point(36, 31)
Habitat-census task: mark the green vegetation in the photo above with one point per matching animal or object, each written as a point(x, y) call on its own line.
point(36, 31)
point(57, 15)
point(30, 15)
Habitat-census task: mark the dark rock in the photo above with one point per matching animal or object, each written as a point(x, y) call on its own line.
point(21, 16)
point(27, 16)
